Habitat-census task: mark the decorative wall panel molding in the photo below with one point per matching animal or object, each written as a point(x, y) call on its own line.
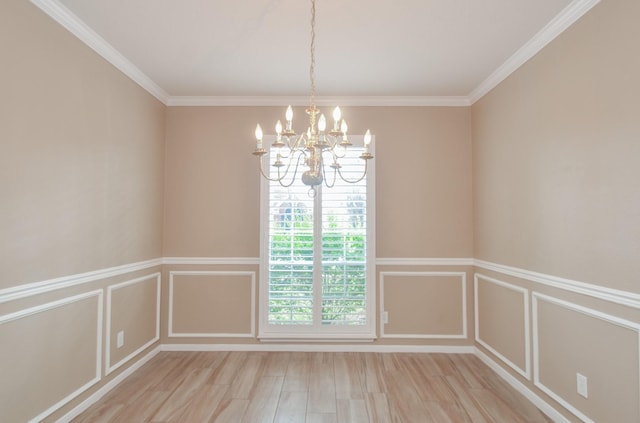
point(111, 367)
point(462, 300)
point(526, 372)
point(537, 298)
point(252, 301)
point(98, 294)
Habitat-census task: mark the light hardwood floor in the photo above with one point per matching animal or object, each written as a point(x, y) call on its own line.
point(312, 387)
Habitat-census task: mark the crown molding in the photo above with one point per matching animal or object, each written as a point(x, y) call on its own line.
point(59, 13)
point(569, 15)
point(446, 101)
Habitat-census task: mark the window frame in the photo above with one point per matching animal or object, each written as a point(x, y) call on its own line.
point(317, 331)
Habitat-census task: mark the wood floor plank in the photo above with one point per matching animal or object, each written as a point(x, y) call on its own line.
point(514, 399)
point(247, 376)
point(204, 403)
point(181, 397)
point(352, 411)
point(297, 376)
point(297, 387)
point(322, 388)
point(229, 411)
point(146, 378)
point(465, 369)
point(377, 407)
point(466, 400)
point(143, 409)
point(446, 413)
point(495, 407)
point(264, 400)
point(347, 377)
point(321, 418)
point(104, 414)
point(225, 373)
point(373, 372)
point(292, 407)
point(404, 402)
point(276, 363)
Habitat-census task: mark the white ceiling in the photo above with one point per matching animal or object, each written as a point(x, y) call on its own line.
point(233, 51)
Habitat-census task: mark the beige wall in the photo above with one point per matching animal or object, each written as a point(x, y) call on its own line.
point(212, 209)
point(556, 184)
point(81, 189)
point(556, 175)
point(81, 173)
point(212, 200)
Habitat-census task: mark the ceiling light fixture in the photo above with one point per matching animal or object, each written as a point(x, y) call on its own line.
point(311, 146)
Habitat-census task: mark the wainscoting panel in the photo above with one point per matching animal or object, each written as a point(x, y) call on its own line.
point(50, 354)
point(502, 321)
point(133, 308)
point(425, 304)
point(209, 304)
point(569, 339)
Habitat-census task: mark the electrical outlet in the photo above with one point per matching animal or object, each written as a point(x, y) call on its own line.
point(385, 317)
point(581, 382)
point(120, 339)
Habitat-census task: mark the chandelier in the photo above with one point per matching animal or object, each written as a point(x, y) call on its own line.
point(313, 147)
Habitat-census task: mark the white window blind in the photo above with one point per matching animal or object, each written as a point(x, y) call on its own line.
point(317, 278)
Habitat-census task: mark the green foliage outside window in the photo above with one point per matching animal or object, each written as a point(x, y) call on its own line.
point(343, 268)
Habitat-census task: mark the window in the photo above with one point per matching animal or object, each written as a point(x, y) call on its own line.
point(317, 273)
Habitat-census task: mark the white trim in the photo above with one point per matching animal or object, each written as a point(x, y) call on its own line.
point(319, 338)
point(444, 349)
point(536, 296)
point(110, 368)
point(56, 304)
point(547, 409)
point(463, 278)
point(251, 334)
point(316, 331)
point(237, 261)
point(96, 396)
point(426, 261)
point(67, 19)
point(526, 372)
point(30, 289)
point(569, 15)
point(61, 14)
point(630, 299)
point(420, 101)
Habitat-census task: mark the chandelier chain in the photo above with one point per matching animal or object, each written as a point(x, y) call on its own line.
point(308, 148)
point(312, 67)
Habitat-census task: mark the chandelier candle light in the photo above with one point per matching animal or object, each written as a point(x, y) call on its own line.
point(312, 146)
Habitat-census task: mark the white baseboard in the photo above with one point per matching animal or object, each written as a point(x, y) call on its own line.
point(446, 349)
point(547, 409)
point(96, 396)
